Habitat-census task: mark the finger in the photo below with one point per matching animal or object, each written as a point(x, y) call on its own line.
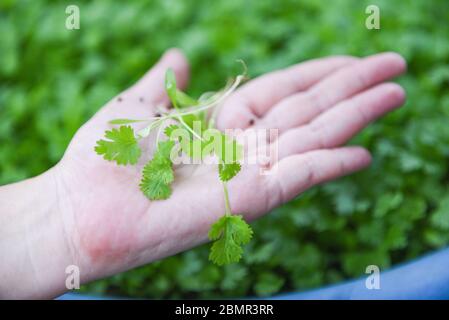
point(152, 85)
point(257, 96)
point(295, 174)
point(336, 126)
point(342, 84)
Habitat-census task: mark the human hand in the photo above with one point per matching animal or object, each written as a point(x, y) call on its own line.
point(110, 226)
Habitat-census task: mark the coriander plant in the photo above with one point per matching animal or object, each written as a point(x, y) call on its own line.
point(187, 131)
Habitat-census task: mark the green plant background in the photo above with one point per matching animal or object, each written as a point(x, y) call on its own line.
point(53, 79)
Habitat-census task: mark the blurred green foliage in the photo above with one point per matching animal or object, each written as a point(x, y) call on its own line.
point(53, 79)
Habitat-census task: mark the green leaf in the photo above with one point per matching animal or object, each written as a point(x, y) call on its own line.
point(262, 253)
point(178, 98)
point(184, 100)
point(194, 122)
point(164, 150)
point(233, 276)
point(229, 233)
point(268, 283)
point(355, 263)
point(436, 238)
point(158, 173)
point(122, 146)
point(440, 217)
point(387, 202)
point(168, 131)
point(228, 171)
point(170, 87)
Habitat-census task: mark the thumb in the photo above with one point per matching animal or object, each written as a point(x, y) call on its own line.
point(152, 84)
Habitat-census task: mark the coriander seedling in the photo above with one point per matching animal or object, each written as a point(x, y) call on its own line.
point(197, 139)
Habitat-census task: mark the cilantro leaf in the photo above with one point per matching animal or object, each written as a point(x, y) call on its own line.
point(184, 100)
point(164, 149)
point(122, 146)
point(170, 87)
point(158, 173)
point(229, 153)
point(228, 171)
point(168, 131)
point(440, 217)
point(178, 98)
point(195, 122)
point(230, 232)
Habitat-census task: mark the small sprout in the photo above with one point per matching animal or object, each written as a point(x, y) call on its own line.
point(229, 232)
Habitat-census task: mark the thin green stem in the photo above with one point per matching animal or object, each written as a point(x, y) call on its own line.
point(159, 131)
point(190, 129)
point(146, 131)
point(228, 211)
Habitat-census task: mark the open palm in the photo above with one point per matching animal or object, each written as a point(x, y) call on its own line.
point(316, 106)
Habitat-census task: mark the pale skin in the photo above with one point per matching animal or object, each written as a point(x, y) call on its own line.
point(88, 212)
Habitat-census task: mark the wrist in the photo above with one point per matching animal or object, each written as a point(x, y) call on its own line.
point(34, 241)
